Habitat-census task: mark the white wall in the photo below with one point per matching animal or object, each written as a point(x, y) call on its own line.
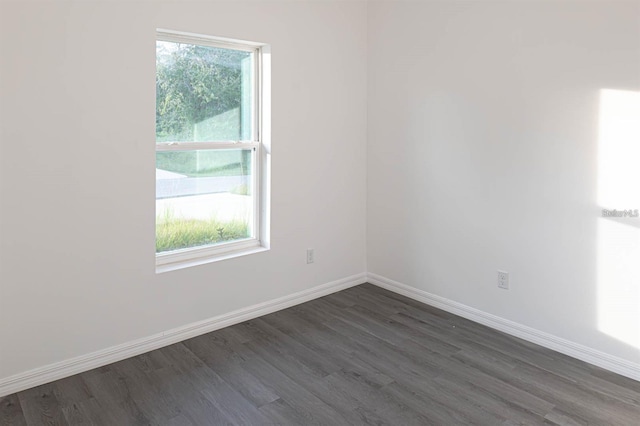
point(483, 154)
point(77, 176)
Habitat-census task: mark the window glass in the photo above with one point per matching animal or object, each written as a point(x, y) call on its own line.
point(203, 197)
point(203, 93)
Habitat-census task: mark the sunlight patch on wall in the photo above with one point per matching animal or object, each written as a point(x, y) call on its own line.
point(619, 237)
point(619, 281)
point(619, 150)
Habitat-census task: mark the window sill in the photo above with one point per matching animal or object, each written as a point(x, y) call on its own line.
point(188, 263)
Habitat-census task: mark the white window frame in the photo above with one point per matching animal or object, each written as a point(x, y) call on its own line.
point(261, 157)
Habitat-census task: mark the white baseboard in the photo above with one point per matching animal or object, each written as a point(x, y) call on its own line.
point(575, 350)
point(59, 370)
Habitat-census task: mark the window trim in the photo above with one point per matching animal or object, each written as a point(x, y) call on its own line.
point(186, 257)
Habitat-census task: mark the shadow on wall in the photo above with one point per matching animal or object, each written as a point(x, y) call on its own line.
point(618, 264)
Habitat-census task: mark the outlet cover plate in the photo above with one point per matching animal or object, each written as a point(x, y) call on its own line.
point(503, 279)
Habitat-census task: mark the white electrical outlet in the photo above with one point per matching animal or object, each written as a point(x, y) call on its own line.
point(310, 255)
point(503, 279)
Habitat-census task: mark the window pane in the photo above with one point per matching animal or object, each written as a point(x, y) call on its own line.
point(203, 197)
point(203, 93)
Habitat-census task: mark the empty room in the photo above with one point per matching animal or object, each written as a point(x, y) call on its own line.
point(342, 213)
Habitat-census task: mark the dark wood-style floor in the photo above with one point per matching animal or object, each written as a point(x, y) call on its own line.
point(360, 356)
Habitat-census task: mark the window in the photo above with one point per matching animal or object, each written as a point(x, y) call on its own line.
point(211, 153)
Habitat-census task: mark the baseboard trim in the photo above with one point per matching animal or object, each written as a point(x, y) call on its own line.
point(59, 370)
point(575, 350)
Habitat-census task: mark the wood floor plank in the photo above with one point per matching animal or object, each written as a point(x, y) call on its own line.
point(194, 406)
point(328, 345)
point(598, 406)
point(112, 400)
point(564, 419)
point(291, 382)
point(290, 347)
point(151, 399)
point(566, 396)
point(357, 357)
point(71, 390)
point(616, 379)
point(75, 415)
point(92, 412)
point(282, 413)
point(488, 380)
point(40, 406)
point(493, 397)
point(11, 411)
point(336, 392)
point(231, 369)
point(385, 404)
point(207, 382)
